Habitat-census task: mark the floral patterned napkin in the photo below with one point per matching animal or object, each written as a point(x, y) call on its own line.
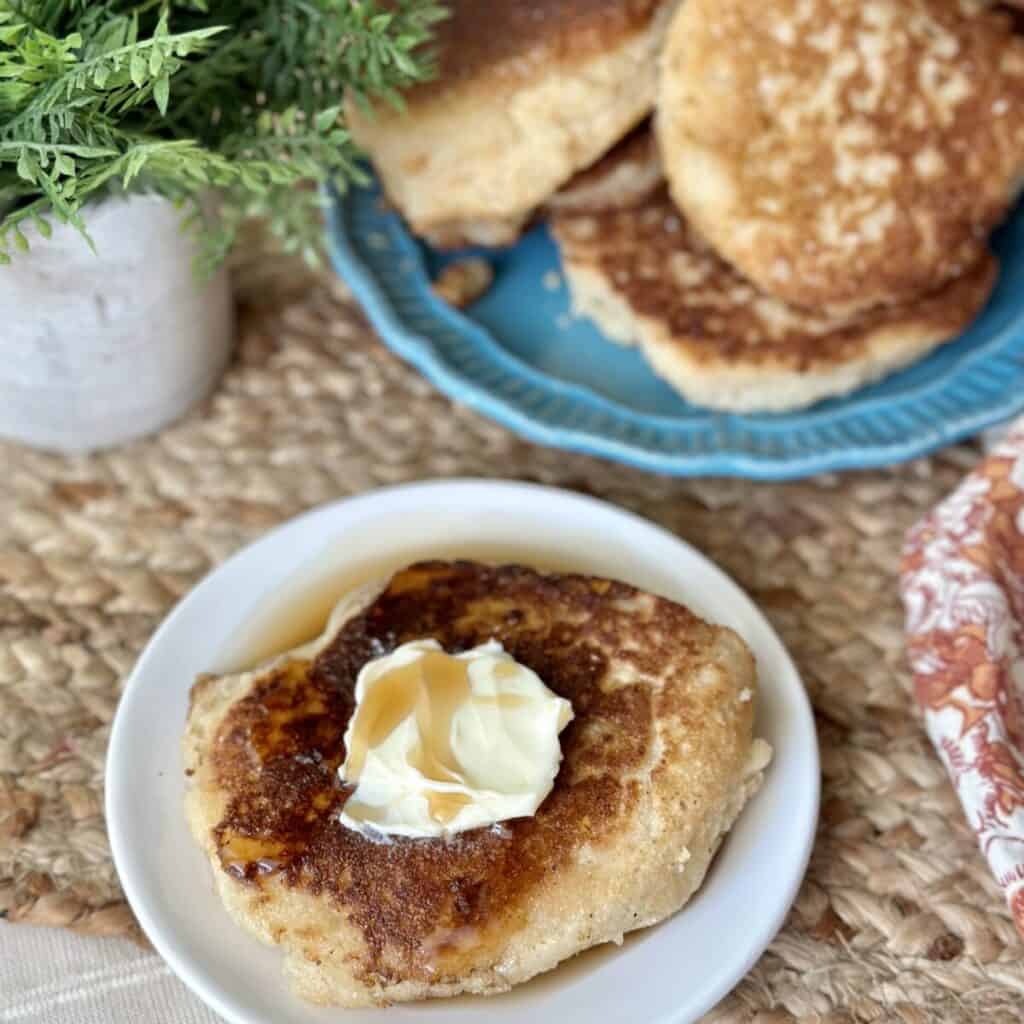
point(963, 588)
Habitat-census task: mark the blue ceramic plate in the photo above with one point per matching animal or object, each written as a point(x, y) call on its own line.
point(518, 356)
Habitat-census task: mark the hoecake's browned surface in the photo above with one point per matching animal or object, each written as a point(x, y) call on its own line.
point(528, 92)
point(842, 153)
point(504, 42)
point(657, 764)
point(625, 176)
point(646, 278)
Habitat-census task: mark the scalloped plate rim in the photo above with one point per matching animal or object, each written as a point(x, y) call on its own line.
point(420, 350)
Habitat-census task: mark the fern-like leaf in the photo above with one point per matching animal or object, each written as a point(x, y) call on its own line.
point(184, 96)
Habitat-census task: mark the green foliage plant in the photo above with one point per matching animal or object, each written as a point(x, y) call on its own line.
point(185, 98)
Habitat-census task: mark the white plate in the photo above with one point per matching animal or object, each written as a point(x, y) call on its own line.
point(671, 973)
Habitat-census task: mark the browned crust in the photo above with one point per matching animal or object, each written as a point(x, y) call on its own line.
point(276, 752)
point(666, 274)
point(843, 154)
point(515, 40)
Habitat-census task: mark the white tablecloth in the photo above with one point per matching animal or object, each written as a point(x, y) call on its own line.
point(49, 976)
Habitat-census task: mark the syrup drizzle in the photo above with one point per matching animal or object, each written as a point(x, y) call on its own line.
point(300, 613)
point(433, 688)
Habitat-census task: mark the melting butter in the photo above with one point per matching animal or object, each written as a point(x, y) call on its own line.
point(441, 743)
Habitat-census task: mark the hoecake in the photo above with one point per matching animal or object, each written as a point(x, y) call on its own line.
point(843, 153)
point(527, 93)
point(625, 176)
point(646, 278)
point(657, 764)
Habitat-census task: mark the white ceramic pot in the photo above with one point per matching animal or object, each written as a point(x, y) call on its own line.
point(99, 348)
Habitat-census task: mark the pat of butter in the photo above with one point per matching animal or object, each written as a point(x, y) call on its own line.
point(441, 743)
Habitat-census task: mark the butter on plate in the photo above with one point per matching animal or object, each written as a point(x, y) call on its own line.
point(441, 743)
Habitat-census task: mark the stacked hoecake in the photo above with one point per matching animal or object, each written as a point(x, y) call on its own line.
point(813, 212)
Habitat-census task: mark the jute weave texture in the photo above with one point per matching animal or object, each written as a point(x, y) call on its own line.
point(898, 918)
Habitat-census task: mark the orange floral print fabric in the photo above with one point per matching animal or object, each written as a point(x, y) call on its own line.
point(962, 583)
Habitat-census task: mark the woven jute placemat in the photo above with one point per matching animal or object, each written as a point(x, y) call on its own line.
point(898, 918)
